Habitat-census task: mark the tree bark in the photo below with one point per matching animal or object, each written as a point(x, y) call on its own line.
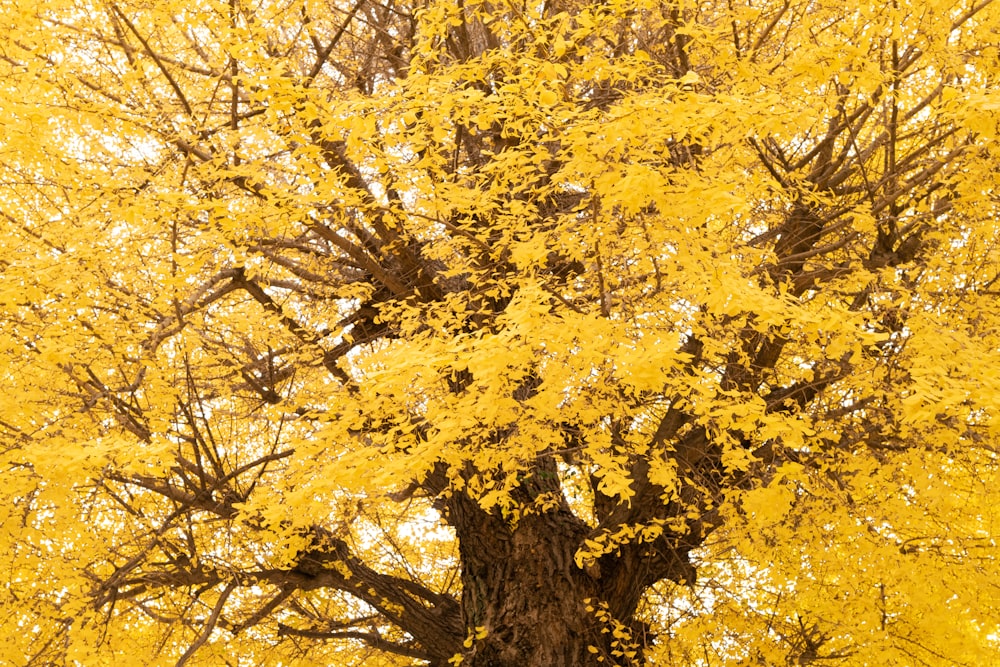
point(531, 603)
point(525, 602)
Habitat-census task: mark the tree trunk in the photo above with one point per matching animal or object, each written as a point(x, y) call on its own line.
point(524, 600)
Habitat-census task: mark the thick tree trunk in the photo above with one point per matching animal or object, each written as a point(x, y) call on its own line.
point(524, 600)
point(526, 603)
point(531, 606)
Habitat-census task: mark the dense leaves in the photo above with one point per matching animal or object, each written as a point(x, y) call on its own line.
point(572, 333)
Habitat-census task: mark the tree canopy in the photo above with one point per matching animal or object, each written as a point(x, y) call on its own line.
point(406, 332)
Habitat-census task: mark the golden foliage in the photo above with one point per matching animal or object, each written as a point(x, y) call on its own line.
point(303, 301)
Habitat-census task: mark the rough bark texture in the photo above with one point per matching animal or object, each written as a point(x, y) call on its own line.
point(528, 603)
point(531, 601)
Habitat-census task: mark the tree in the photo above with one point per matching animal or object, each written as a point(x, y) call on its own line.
point(499, 333)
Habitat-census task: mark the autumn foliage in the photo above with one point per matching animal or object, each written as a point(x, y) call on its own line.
point(404, 332)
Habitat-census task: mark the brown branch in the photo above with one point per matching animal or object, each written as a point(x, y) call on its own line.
point(335, 155)
point(264, 611)
point(370, 638)
point(361, 257)
point(324, 55)
point(209, 625)
point(156, 59)
point(203, 295)
point(433, 619)
point(202, 500)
